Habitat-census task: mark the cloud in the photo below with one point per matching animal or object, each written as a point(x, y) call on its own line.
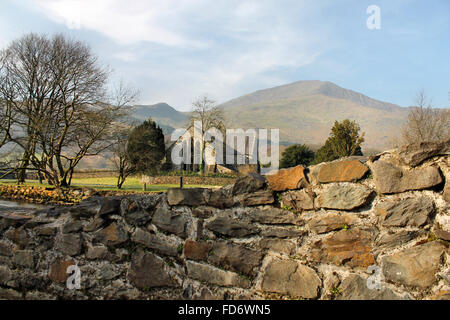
point(124, 21)
point(223, 47)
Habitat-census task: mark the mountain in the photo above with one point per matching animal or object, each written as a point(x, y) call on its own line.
point(163, 114)
point(305, 111)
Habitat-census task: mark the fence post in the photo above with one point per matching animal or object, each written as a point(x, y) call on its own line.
point(181, 182)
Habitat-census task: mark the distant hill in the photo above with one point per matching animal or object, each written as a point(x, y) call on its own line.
point(163, 114)
point(305, 111)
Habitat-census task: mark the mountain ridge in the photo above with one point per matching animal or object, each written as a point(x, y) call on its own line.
point(304, 111)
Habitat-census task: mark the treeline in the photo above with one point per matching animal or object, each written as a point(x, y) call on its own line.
point(424, 123)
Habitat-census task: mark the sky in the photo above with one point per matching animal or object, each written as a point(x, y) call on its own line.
point(177, 50)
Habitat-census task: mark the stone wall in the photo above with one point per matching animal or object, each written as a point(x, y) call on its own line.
point(356, 228)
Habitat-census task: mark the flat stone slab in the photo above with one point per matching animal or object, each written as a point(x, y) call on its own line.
point(248, 184)
point(298, 200)
point(342, 171)
point(148, 271)
point(225, 223)
point(355, 287)
point(186, 196)
point(347, 197)
point(216, 276)
point(290, 277)
point(414, 154)
point(405, 212)
point(274, 216)
point(346, 247)
point(287, 179)
point(330, 222)
point(389, 178)
point(416, 266)
point(235, 257)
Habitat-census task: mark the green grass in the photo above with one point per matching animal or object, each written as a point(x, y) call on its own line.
point(132, 184)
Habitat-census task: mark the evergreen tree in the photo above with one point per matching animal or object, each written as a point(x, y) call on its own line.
point(146, 148)
point(345, 140)
point(295, 155)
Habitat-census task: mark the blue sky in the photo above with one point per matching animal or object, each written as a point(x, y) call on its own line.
point(177, 50)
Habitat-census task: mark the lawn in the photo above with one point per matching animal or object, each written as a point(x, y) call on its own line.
point(132, 184)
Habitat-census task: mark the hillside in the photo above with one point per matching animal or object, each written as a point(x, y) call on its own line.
point(304, 111)
point(162, 113)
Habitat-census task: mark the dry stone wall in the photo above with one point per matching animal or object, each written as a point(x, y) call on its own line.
point(356, 228)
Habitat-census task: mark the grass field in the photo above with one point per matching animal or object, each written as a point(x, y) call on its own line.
point(132, 184)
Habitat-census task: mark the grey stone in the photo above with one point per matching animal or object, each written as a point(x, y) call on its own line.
point(197, 250)
point(343, 197)
point(212, 275)
point(86, 209)
point(93, 225)
point(298, 200)
point(148, 271)
point(234, 257)
point(135, 214)
point(221, 198)
point(96, 252)
point(16, 218)
point(406, 212)
point(414, 154)
point(5, 249)
point(277, 245)
point(5, 275)
point(24, 258)
point(107, 272)
point(203, 212)
point(446, 192)
point(187, 197)
point(159, 242)
point(283, 232)
point(69, 244)
point(112, 235)
point(109, 207)
point(9, 294)
point(331, 222)
point(72, 226)
point(248, 184)
point(442, 234)
point(355, 287)
point(37, 295)
point(18, 236)
point(46, 230)
point(226, 224)
point(170, 221)
point(392, 179)
point(272, 215)
point(258, 198)
point(416, 266)
point(391, 240)
point(290, 277)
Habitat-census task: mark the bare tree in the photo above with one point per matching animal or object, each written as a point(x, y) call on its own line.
point(58, 92)
point(426, 123)
point(206, 111)
point(120, 158)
